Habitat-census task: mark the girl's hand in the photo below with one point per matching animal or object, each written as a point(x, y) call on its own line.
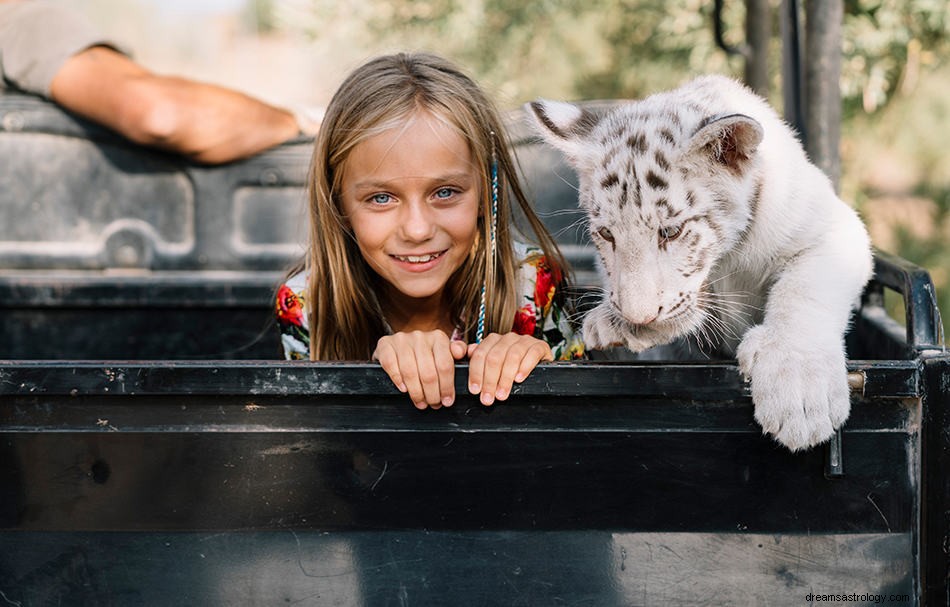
point(422, 364)
point(500, 360)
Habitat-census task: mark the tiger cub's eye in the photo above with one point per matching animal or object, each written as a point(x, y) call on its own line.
point(671, 232)
point(606, 234)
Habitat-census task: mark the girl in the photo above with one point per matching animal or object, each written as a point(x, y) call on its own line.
point(412, 260)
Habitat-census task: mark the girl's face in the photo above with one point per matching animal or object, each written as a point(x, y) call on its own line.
point(411, 196)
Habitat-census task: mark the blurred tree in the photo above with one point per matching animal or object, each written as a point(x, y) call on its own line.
point(260, 16)
point(886, 45)
point(553, 48)
point(622, 48)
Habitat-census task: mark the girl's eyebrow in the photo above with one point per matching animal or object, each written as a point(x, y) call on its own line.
point(449, 178)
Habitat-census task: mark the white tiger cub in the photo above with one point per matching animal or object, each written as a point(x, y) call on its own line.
point(711, 221)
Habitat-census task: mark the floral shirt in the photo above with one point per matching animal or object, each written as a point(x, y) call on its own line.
point(540, 314)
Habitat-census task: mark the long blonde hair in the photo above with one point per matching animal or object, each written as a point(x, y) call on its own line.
point(346, 320)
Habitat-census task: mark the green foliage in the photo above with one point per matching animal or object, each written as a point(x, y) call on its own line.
point(896, 168)
point(259, 16)
point(618, 48)
point(529, 48)
point(885, 44)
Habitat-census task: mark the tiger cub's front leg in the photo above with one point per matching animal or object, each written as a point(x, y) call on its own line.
point(795, 360)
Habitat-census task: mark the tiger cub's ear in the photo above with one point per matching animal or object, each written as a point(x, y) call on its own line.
point(729, 140)
point(565, 126)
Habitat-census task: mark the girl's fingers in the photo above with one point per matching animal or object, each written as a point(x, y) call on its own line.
point(421, 364)
point(406, 367)
point(500, 361)
point(523, 355)
point(489, 361)
point(428, 374)
point(444, 361)
point(459, 349)
point(478, 354)
point(423, 350)
point(409, 369)
point(519, 352)
point(385, 353)
point(537, 352)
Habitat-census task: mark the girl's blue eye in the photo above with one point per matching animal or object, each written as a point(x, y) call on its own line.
point(444, 193)
point(381, 198)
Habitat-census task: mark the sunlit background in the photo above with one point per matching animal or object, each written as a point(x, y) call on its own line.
point(895, 83)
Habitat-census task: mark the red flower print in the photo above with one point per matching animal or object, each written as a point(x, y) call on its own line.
point(525, 320)
point(544, 288)
point(289, 308)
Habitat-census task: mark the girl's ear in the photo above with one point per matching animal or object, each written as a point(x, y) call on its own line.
point(565, 126)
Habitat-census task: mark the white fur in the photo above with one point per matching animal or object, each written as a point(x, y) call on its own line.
point(772, 282)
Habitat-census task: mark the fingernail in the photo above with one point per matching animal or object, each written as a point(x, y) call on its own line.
point(519, 377)
point(501, 394)
point(421, 405)
point(473, 388)
point(447, 401)
point(401, 387)
point(487, 398)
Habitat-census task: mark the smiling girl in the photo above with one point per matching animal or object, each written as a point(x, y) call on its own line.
point(413, 259)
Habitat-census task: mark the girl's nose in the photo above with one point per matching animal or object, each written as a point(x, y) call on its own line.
point(418, 222)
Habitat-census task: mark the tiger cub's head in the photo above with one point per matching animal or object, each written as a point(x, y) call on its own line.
point(666, 185)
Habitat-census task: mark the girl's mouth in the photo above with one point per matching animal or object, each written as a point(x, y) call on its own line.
point(418, 264)
point(418, 259)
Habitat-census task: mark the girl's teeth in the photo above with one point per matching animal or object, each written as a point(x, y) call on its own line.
point(416, 259)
